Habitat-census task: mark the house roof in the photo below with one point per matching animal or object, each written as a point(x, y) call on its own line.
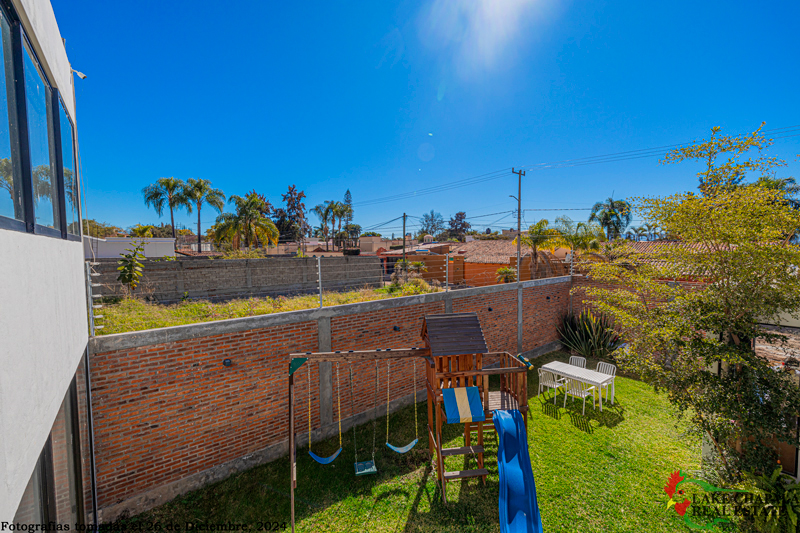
point(489, 251)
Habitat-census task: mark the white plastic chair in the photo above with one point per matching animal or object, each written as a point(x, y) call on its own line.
point(579, 389)
point(611, 370)
point(551, 381)
point(576, 360)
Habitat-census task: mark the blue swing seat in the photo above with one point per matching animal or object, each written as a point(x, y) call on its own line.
point(403, 449)
point(325, 460)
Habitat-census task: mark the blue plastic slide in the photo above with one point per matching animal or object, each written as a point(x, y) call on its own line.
point(519, 510)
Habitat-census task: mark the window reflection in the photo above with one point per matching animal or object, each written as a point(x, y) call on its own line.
point(70, 178)
point(45, 186)
point(11, 204)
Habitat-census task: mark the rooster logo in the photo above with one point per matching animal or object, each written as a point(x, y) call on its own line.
point(681, 503)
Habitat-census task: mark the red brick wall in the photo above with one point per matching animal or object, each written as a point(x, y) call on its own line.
point(164, 412)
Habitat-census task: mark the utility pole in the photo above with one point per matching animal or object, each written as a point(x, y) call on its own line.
point(404, 240)
point(519, 174)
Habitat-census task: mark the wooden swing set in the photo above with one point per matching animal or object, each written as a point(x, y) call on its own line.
point(457, 388)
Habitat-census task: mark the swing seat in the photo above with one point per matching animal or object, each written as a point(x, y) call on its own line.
point(366, 467)
point(403, 449)
point(325, 460)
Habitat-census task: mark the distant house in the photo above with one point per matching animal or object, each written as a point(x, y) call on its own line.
point(482, 258)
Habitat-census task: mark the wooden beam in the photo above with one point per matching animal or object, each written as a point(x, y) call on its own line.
point(363, 355)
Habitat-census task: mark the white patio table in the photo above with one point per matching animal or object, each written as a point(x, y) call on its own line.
point(585, 375)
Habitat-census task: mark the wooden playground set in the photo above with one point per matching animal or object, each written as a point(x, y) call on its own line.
point(457, 385)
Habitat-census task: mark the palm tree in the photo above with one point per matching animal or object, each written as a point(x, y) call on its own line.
point(168, 191)
point(197, 193)
point(577, 236)
point(788, 186)
point(248, 223)
point(639, 232)
point(538, 236)
point(613, 216)
point(338, 212)
point(323, 212)
point(651, 230)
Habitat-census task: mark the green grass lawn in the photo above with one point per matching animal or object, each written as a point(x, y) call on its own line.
point(135, 314)
point(600, 472)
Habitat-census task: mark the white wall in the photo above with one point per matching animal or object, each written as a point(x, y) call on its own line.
point(40, 24)
point(43, 334)
point(113, 247)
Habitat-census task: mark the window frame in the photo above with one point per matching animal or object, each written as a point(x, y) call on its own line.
point(20, 140)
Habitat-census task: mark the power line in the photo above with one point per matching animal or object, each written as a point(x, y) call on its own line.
point(785, 132)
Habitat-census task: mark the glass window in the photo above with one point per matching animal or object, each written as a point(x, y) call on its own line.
point(70, 176)
point(11, 204)
point(45, 185)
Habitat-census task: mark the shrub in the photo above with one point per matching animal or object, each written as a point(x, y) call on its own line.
point(588, 335)
point(243, 254)
point(351, 251)
point(779, 492)
point(506, 275)
point(130, 266)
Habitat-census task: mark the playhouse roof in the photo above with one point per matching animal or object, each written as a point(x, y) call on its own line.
point(454, 334)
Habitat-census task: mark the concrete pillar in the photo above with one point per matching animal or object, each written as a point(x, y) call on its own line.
point(325, 377)
point(448, 303)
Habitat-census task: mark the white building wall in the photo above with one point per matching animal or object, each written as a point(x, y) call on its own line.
point(113, 247)
point(41, 27)
point(43, 314)
point(43, 334)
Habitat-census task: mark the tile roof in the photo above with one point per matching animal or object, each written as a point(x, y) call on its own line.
point(494, 251)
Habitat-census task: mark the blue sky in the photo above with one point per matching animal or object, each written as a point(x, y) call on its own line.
point(390, 98)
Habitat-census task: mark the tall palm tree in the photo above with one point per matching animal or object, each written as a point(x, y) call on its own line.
point(323, 212)
point(197, 193)
point(248, 223)
point(338, 211)
point(613, 216)
point(651, 230)
point(539, 236)
point(169, 191)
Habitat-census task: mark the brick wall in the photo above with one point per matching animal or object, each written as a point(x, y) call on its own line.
point(166, 410)
point(170, 281)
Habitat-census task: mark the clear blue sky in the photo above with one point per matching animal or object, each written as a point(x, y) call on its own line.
point(386, 98)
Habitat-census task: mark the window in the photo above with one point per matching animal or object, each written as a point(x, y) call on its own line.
point(71, 189)
point(55, 492)
point(11, 191)
point(37, 104)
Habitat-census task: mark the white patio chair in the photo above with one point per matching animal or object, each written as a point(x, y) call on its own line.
point(611, 370)
point(579, 389)
point(551, 381)
point(576, 360)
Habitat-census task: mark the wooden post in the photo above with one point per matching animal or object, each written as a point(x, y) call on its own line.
point(292, 458)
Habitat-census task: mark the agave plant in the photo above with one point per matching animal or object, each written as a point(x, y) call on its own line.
point(588, 335)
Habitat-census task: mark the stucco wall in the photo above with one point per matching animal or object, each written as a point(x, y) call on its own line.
point(43, 334)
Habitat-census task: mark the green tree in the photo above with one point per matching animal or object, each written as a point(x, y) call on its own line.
point(170, 192)
point(431, 224)
point(732, 171)
point(141, 230)
point(323, 213)
point(735, 240)
point(538, 237)
point(198, 192)
point(459, 226)
point(348, 201)
point(296, 212)
point(613, 216)
point(787, 186)
point(100, 230)
point(248, 224)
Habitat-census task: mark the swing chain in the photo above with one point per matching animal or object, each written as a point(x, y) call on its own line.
point(355, 447)
point(375, 412)
point(308, 393)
